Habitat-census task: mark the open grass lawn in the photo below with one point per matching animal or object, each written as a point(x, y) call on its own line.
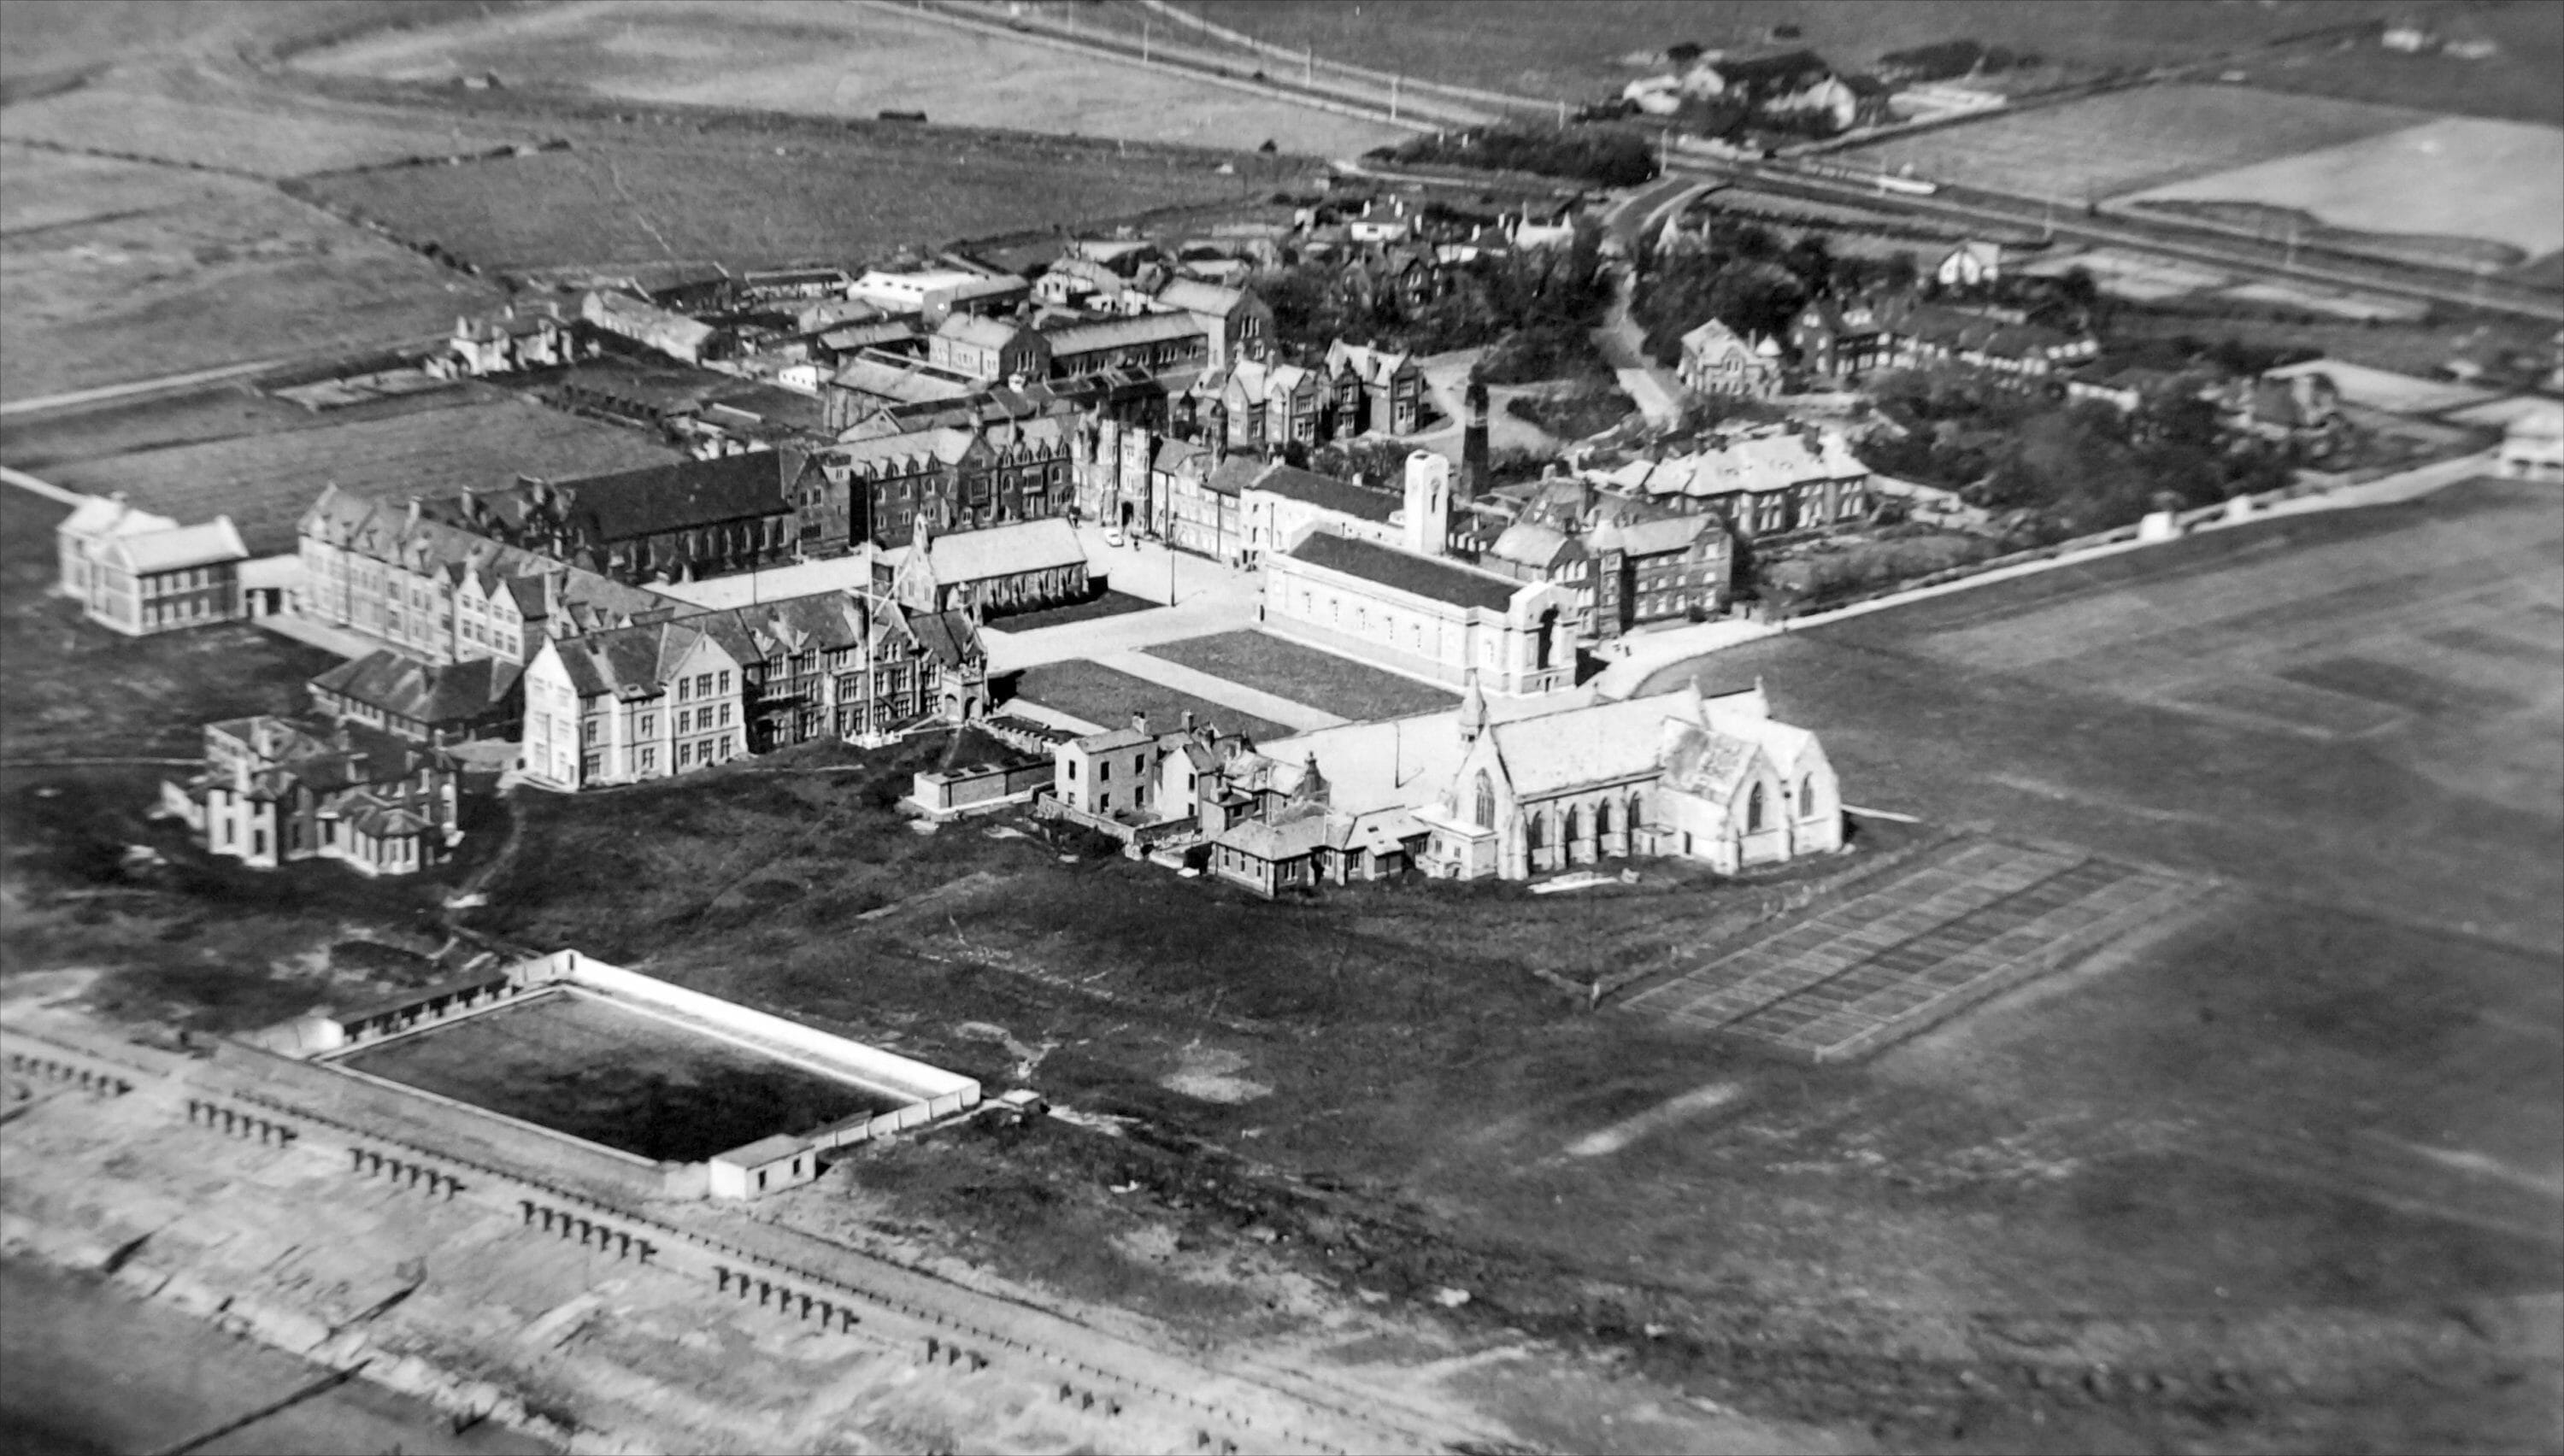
point(634, 196)
point(1103, 604)
point(1107, 697)
point(1322, 680)
point(479, 437)
point(197, 272)
point(2129, 141)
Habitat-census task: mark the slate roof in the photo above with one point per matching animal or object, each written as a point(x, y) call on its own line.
point(99, 516)
point(1327, 493)
point(1431, 577)
point(1004, 550)
point(910, 381)
point(1542, 547)
point(628, 662)
point(1195, 297)
point(948, 637)
point(180, 548)
point(1582, 748)
point(1081, 339)
point(405, 686)
point(674, 497)
point(539, 586)
point(1287, 840)
point(970, 329)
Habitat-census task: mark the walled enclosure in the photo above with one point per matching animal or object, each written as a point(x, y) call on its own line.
point(924, 1093)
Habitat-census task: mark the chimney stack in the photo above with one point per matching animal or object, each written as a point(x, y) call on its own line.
point(1139, 722)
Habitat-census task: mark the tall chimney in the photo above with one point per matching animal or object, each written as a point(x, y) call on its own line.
point(1473, 441)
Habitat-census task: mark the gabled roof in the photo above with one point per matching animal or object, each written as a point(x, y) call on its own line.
point(1344, 498)
point(1431, 577)
point(405, 686)
point(1287, 840)
point(178, 547)
point(1079, 339)
point(664, 498)
point(1004, 550)
point(1194, 296)
point(97, 516)
point(1369, 364)
point(970, 329)
point(1176, 454)
point(1541, 548)
point(629, 662)
point(947, 637)
point(1582, 748)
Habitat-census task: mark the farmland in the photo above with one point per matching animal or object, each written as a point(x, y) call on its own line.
point(1532, 48)
point(2129, 141)
point(845, 61)
point(2501, 181)
point(748, 201)
point(1322, 680)
point(199, 271)
point(266, 481)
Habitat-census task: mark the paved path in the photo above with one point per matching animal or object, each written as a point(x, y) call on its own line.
point(215, 375)
point(1295, 716)
point(1624, 345)
point(321, 635)
point(1208, 598)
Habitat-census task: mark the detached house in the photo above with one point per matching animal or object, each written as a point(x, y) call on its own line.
point(538, 338)
point(275, 789)
point(1715, 361)
point(140, 579)
point(1373, 390)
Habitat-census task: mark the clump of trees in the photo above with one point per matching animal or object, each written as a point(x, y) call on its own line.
point(1748, 279)
point(1574, 414)
point(1552, 293)
point(1604, 157)
point(1944, 59)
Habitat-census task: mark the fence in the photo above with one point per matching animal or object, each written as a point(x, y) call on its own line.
point(1049, 806)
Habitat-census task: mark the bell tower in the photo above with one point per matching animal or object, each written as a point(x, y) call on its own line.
point(1428, 502)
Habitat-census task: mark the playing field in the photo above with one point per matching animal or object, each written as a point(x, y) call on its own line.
point(1971, 921)
point(264, 482)
point(1107, 697)
point(2128, 141)
point(850, 61)
point(2497, 180)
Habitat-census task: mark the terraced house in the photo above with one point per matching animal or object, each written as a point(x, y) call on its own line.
point(279, 789)
point(443, 594)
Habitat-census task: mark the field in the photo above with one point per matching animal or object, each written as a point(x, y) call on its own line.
point(1532, 48)
point(195, 271)
point(1106, 699)
point(2503, 181)
point(1322, 680)
point(592, 1069)
point(749, 202)
point(160, 117)
point(2129, 141)
point(842, 61)
point(266, 481)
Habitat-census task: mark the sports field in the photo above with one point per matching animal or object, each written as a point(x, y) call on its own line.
point(2503, 181)
point(849, 61)
point(2129, 141)
point(266, 481)
point(1107, 697)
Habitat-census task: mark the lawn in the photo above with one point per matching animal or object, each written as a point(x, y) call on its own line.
point(1105, 604)
point(1322, 680)
point(481, 437)
point(213, 272)
point(791, 194)
point(2129, 141)
point(1107, 697)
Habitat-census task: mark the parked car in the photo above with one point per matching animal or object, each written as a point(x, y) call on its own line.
point(1115, 538)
